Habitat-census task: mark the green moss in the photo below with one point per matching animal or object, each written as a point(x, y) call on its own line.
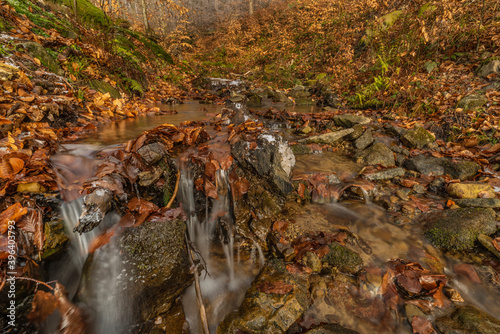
point(344, 259)
point(87, 12)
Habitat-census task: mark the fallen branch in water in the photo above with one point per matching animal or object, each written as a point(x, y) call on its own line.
point(175, 190)
point(203, 314)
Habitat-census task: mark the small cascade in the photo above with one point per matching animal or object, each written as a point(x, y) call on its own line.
point(228, 275)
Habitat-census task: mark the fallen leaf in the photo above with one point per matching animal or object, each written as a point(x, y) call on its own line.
point(17, 165)
point(496, 243)
point(468, 271)
point(72, 318)
point(43, 305)
point(210, 190)
point(421, 325)
point(12, 213)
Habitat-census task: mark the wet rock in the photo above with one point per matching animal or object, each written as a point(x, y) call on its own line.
point(377, 154)
point(385, 174)
point(490, 68)
point(149, 177)
point(358, 131)
point(299, 92)
point(299, 149)
point(417, 137)
point(400, 150)
point(327, 138)
point(437, 185)
point(272, 159)
point(349, 120)
point(55, 239)
point(418, 189)
point(306, 129)
point(458, 229)
point(273, 303)
point(331, 329)
point(478, 202)
point(472, 102)
point(344, 259)
point(36, 50)
point(156, 256)
point(395, 130)
point(95, 206)
point(487, 242)
point(280, 96)
point(468, 319)
point(461, 169)
point(254, 100)
point(469, 189)
point(152, 153)
point(403, 194)
point(312, 261)
point(365, 140)
point(7, 71)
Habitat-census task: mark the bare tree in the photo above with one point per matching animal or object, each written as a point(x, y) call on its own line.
point(145, 17)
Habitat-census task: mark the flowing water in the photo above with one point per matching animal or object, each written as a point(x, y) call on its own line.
point(230, 268)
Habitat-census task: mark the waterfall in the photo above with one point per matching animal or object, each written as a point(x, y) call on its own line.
point(227, 276)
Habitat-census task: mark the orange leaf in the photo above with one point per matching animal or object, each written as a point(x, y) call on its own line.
point(43, 305)
point(17, 164)
point(12, 213)
point(210, 190)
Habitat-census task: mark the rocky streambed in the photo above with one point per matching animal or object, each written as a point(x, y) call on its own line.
point(364, 225)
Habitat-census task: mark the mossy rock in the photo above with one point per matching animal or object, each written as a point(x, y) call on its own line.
point(417, 137)
point(472, 102)
point(104, 88)
point(55, 239)
point(299, 149)
point(36, 50)
point(265, 310)
point(468, 319)
point(427, 9)
point(344, 259)
point(457, 230)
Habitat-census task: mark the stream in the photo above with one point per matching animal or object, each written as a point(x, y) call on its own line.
point(101, 289)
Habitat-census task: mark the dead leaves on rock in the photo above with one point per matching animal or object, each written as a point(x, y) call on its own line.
point(277, 287)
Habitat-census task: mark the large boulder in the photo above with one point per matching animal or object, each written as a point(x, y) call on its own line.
point(272, 159)
point(157, 262)
point(472, 102)
point(470, 190)
point(349, 120)
point(273, 303)
point(429, 165)
point(468, 319)
point(458, 229)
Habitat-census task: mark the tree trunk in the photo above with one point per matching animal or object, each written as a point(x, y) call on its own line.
point(145, 17)
point(250, 7)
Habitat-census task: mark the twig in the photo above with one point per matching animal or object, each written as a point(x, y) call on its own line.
point(175, 190)
point(203, 314)
point(34, 280)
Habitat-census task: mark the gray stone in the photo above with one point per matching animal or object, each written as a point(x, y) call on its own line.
point(272, 159)
point(426, 165)
point(468, 319)
point(349, 120)
point(254, 100)
point(400, 150)
point(299, 92)
point(358, 131)
point(417, 137)
point(327, 138)
point(461, 169)
point(55, 239)
point(152, 153)
point(312, 261)
point(385, 174)
point(365, 140)
point(377, 154)
point(478, 202)
point(437, 185)
point(490, 68)
point(472, 102)
point(458, 229)
point(266, 311)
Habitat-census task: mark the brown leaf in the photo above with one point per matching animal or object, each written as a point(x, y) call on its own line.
point(468, 271)
point(43, 305)
point(242, 186)
point(32, 222)
point(496, 243)
point(278, 287)
point(72, 319)
point(409, 285)
point(17, 165)
point(12, 213)
point(421, 325)
point(280, 226)
point(322, 251)
point(142, 206)
point(226, 162)
point(210, 190)
point(408, 183)
point(301, 190)
point(210, 168)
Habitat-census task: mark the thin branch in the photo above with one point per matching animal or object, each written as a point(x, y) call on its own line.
point(175, 190)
